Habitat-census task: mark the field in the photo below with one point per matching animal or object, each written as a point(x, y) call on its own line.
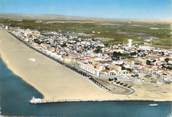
point(111, 32)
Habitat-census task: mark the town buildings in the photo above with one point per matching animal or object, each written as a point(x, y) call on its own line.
point(88, 55)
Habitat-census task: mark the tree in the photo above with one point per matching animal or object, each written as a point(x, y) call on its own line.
point(167, 60)
point(98, 49)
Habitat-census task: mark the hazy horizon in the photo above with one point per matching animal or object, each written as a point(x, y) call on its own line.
point(108, 9)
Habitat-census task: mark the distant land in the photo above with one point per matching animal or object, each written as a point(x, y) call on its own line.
point(111, 31)
point(53, 17)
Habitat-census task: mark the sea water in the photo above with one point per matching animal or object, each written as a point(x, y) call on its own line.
point(15, 95)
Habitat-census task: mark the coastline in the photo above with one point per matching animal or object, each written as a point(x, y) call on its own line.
point(61, 84)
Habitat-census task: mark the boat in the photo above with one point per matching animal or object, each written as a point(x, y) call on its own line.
point(35, 100)
point(154, 104)
point(170, 115)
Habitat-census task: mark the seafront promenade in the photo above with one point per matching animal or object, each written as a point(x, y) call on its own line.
point(56, 82)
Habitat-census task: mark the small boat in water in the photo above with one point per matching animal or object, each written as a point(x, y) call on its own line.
point(170, 115)
point(153, 104)
point(35, 100)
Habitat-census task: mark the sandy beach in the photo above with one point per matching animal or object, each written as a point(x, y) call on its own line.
point(58, 83)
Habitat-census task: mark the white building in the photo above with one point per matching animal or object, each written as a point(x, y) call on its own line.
point(89, 69)
point(130, 43)
point(6, 27)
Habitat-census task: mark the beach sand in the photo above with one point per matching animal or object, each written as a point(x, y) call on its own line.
point(59, 83)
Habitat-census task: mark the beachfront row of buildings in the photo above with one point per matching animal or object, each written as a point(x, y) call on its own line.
point(90, 56)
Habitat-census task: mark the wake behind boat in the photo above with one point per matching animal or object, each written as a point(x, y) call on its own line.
point(153, 105)
point(0, 110)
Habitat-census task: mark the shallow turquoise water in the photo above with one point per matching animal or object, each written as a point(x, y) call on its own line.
point(15, 95)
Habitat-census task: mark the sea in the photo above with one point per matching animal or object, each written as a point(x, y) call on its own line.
point(15, 95)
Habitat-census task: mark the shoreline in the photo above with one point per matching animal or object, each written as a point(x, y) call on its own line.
point(49, 95)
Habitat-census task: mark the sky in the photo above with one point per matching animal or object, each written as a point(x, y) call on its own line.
point(124, 9)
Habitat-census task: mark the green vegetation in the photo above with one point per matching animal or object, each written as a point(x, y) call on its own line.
point(163, 42)
point(111, 33)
